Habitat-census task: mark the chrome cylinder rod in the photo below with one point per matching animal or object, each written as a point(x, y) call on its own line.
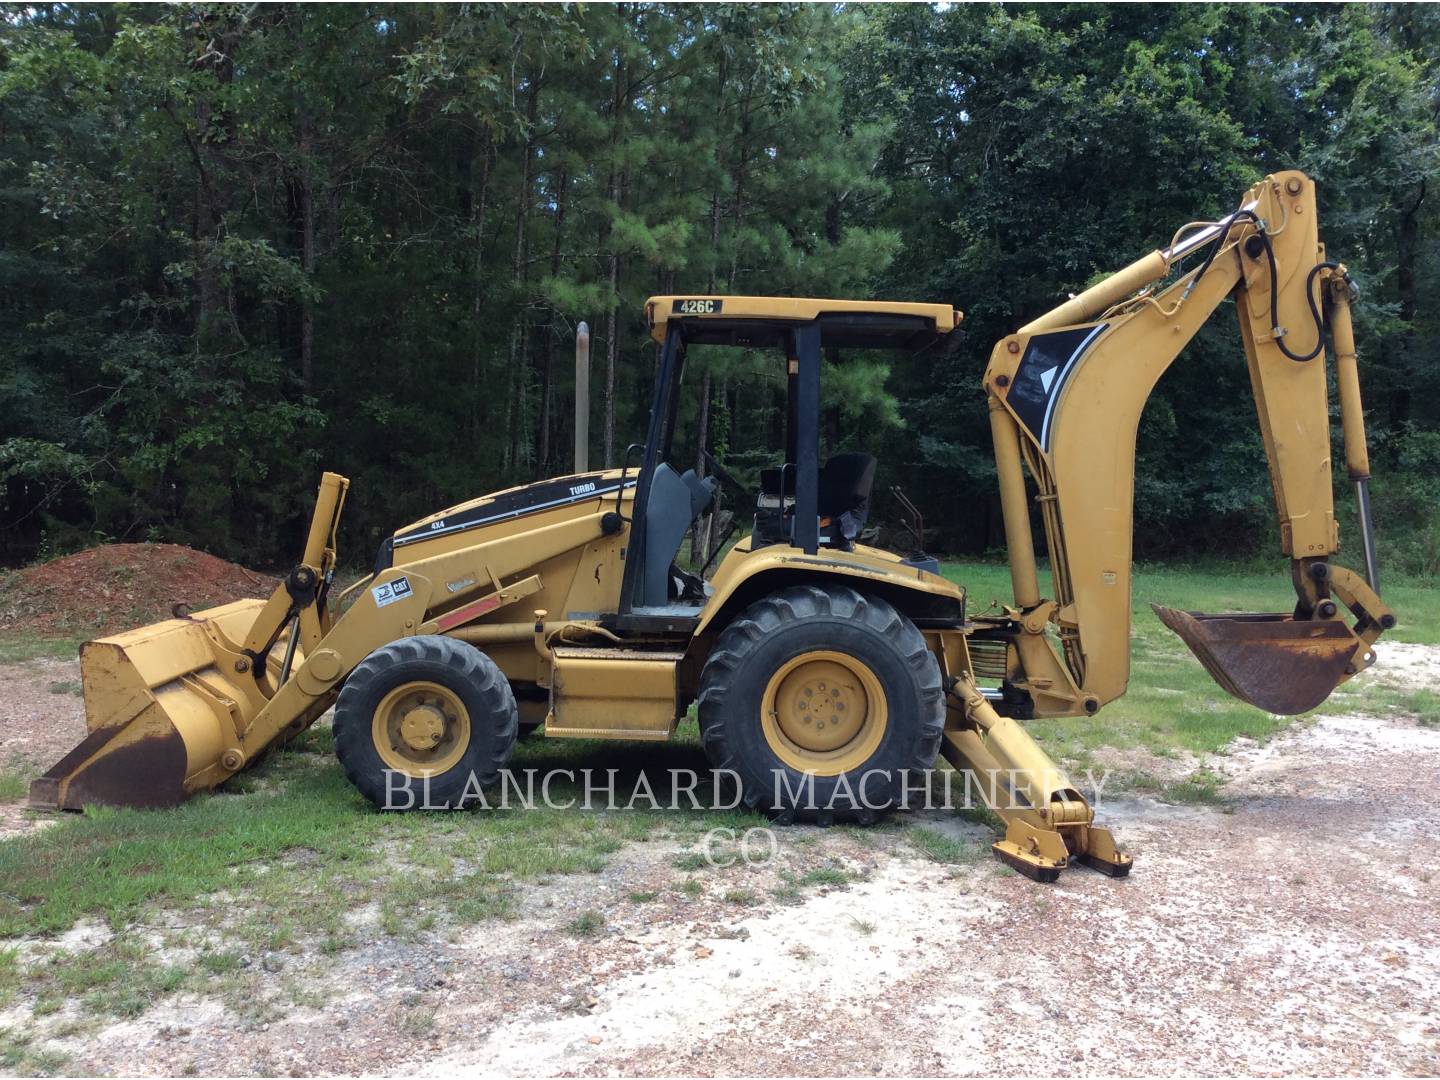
point(1367, 532)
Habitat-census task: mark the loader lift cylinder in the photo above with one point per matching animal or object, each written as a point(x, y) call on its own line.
point(328, 505)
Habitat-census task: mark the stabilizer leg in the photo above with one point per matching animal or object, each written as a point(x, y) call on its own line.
point(1100, 852)
point(1047, 821)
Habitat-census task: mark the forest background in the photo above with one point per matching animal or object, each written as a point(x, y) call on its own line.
point(240, 243)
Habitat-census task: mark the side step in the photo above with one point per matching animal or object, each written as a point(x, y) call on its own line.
point(612, 693)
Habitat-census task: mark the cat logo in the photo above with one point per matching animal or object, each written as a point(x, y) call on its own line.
point(391, 591)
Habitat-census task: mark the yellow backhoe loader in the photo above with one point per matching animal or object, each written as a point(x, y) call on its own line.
point(826, 672)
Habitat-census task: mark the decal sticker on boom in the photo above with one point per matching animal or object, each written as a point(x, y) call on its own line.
point(530, 499)
point(1049, 360)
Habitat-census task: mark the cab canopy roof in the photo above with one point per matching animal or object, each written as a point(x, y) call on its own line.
point(767, 320)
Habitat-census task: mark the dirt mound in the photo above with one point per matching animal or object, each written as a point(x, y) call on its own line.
point(120, 586)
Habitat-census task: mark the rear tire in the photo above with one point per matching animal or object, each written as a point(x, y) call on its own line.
point(822, 701)
point(425, 722)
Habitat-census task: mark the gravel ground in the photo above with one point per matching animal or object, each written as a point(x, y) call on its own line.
point(41, 713)
point(1290, 929)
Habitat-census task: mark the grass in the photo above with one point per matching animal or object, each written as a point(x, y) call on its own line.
point(289, 855)
point(691, 861)
point(119, 979)
point(19, 1057)
point(415, 1021)
point(1421, 703)
point(589, 923)
point(824, 875)
point(15, 650)
point(14, 784)
point(1201, 787)
point(220, 963)
point(942, 848)
point(113, 864)
point(1425, 704)
point(283, 863)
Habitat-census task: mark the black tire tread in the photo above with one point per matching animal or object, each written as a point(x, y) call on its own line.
point(352, 730)
point(807, 602)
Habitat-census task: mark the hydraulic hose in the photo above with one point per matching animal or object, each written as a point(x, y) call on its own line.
point(1214, 250)
point(1315, 312)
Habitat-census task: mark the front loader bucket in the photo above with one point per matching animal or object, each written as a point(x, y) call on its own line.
point(163, 704)
point(1274, 662)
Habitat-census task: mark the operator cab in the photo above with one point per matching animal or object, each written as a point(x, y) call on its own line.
point(802, 502)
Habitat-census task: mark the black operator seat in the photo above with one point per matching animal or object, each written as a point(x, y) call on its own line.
point(675, 501)
point(702, 492)
point(844, 496)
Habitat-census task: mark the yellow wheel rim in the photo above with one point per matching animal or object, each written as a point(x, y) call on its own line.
point(421, 729)
point(824, 713)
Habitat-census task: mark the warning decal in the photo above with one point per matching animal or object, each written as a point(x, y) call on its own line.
point(391, 591)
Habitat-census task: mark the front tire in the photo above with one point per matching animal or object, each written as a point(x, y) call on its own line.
point(822, 701)
point(425, 722)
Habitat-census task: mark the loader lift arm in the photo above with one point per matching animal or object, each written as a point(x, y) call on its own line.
point(1065, 395)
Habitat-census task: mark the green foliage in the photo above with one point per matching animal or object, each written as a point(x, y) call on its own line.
point(242, 243)
point(1036, 148)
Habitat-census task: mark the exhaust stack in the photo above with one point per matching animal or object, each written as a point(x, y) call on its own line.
point(582, 398)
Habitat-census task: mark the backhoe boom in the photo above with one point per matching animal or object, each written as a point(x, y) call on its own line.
point(1066, 394)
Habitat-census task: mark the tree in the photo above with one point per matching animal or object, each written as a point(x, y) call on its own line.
point(246, 241)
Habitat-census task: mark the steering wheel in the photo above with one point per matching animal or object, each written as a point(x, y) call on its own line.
point(727, 478)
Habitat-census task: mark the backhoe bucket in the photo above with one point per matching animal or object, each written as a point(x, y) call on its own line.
point(163, 704)
point(1274, 662)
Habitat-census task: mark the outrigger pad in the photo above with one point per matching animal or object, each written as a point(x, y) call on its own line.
point(1103, 854)
point(1272, 661)
point(1035, 868)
